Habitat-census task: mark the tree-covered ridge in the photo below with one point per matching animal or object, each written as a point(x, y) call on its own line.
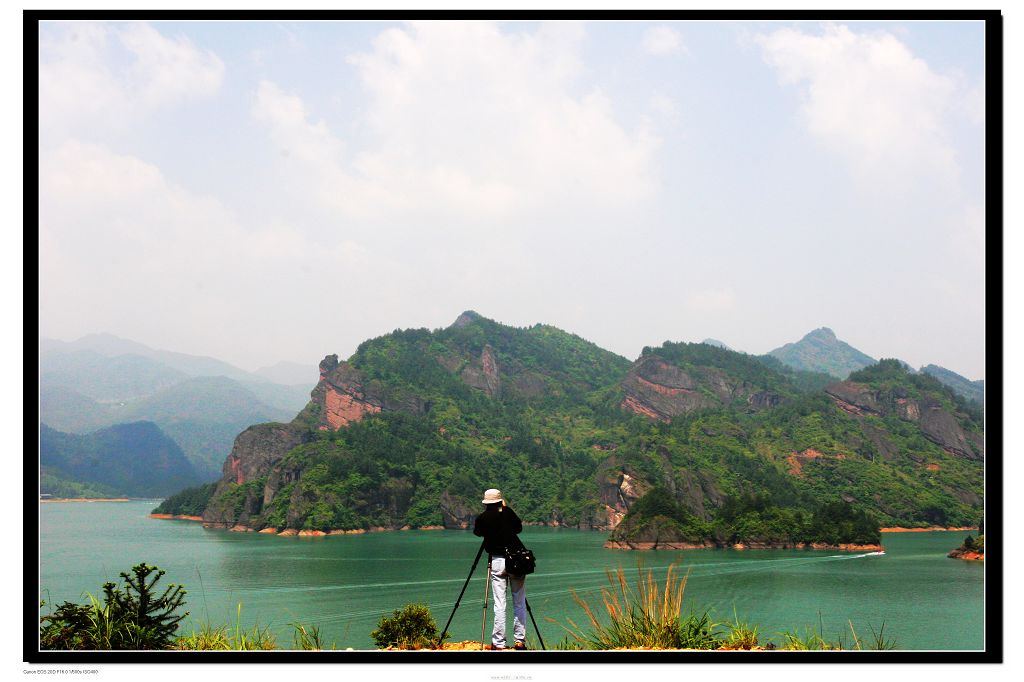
point(136, 460)
point(537, 361)
point(748, 519)
point(971, 390)
point(188, 502)
point(539, 413)
point(893, 377)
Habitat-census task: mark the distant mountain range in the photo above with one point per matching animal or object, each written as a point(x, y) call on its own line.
point(201, 402)
point(821, 351)
point(132, 460)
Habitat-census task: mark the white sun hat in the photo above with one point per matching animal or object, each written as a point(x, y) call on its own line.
point(491, 496)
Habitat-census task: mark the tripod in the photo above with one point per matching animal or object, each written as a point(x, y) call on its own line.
point(444, 633)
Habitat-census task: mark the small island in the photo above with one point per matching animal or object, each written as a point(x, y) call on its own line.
point(973, 547)
point(657, 521)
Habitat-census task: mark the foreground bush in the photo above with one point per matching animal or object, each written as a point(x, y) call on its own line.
point(130, 617)
point(411, 627)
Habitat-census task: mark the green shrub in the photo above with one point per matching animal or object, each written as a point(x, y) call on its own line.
point(411, 627)
point(132, 617)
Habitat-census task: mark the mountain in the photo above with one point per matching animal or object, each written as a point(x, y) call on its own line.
point(415, 424)
point(106, 379)
point(289, 374)
point(112, 370)
point(136, 460)
point(110, 346)
point(972, 390)
point(821, 351)
point(101, 380)
point(716, 343)
point(203, 415)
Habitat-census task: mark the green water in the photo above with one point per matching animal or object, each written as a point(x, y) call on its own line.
point(345, 583)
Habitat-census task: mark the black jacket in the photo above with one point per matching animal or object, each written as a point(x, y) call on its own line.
point(499, 526)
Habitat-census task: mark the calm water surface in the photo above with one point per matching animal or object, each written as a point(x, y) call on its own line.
point(344, 584)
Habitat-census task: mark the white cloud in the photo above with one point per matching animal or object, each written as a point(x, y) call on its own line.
point(868, 98)
point(94, 74)
point(469, 123)
point(711, 300)
point(125, 250)
point(663, 40)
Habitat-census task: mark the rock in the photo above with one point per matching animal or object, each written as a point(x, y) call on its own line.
point(465, 319)
point(255, 452)
point(457, 513)
point(482, 374)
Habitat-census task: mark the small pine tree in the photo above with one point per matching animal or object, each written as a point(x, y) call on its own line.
point(151, 619)
point(132, 617)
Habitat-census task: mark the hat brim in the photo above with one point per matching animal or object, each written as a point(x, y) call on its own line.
point(492, 501)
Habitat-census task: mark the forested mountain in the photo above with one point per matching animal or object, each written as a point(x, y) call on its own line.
point(821, 351)
point(101, 380)
point(136, 460)
point(417, 423)
point(972, 390)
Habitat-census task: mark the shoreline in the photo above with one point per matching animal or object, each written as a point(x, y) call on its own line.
point(89, 499)
point(287, 532)
point(929, 529)
point(646, 546)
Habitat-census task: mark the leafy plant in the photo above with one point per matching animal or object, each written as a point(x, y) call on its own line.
point(130, 617)
point(411, 627)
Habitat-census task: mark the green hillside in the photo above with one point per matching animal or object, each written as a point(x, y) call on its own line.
point(972, 390)
point(417, 423)
point(135, 460)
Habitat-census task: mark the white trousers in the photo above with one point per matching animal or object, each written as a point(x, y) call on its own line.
point(499, 578)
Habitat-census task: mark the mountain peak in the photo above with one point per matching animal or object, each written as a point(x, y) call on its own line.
point(466, 318)
point(821, 351)
point(716, 343)
point(822, 334)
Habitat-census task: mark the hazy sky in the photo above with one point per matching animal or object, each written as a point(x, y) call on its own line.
point(278, 191)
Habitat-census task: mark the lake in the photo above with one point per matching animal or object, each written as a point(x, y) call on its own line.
point(344, 584)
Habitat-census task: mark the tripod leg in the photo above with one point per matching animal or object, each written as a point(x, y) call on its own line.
point(535, 628)
point(444, 633)
point(487, 585)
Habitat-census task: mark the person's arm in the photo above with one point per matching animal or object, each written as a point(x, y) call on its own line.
point(479, 529)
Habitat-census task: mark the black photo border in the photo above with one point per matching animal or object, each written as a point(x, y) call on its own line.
point(994, 522)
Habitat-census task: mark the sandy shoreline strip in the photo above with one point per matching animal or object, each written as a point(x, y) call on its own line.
point(930, 529)
point(86, 499)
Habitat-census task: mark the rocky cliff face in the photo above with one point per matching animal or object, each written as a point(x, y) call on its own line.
point(482, 373)
point(936, 423)
point(658, 389)
point(343, 396)
point(256, 451)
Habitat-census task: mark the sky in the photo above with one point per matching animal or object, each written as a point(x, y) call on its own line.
point(268, 191)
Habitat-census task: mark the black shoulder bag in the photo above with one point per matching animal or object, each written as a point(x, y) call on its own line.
point(519, 561)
